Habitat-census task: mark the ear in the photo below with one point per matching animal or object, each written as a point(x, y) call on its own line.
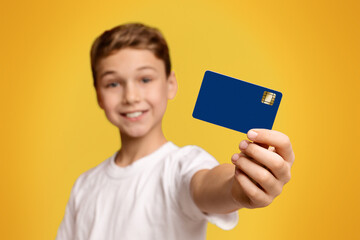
point(172, 85)
point(99, 100)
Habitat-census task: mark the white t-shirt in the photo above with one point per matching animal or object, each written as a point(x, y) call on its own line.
point(149, 199)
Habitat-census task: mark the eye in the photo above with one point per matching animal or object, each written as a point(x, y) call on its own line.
point(113, 84)
point(146, 80)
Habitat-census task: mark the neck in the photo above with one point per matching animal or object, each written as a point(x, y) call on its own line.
point(133, 149)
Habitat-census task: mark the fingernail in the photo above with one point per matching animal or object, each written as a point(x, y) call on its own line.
point(235, 157)
point(243, 145)
point(252, 135)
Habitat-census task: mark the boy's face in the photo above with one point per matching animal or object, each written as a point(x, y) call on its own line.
point(133, 90)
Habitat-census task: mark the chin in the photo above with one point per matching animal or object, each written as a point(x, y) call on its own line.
point(138, 133)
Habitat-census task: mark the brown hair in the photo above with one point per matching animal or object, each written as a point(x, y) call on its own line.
point(134, 35)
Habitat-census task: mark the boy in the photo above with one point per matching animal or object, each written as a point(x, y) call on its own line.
point(151, 188)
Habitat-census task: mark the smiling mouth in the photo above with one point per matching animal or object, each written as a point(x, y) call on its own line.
point(133, 115)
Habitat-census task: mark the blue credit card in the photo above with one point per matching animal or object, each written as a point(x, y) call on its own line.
point(236, 104)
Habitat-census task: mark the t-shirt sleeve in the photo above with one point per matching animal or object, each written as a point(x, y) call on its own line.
point(66, 229)
point(192, 160)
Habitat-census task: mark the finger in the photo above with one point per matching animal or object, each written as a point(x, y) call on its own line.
point(258, 185)
point(257, 197)
point(243, 154)
point(269, 159)
point(261, 145)
point(260, 175)
point(237, 155)
point(280, 141)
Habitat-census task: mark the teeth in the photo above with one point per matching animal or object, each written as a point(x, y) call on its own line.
point(134, 114)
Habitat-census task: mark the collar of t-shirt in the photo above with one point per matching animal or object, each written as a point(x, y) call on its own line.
point(116, 171)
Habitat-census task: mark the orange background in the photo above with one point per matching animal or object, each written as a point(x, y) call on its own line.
point(52, 129)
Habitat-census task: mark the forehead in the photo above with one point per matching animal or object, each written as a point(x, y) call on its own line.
point(128, 60)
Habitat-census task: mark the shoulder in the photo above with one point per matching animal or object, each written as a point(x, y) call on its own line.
point(191, 158)
point(92, 176)
point(192, 152)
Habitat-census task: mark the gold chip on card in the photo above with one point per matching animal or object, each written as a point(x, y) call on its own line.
point(268, 98)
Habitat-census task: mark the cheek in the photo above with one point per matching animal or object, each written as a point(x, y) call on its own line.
point(110, 102)
point(158, 100)
point(110, 106)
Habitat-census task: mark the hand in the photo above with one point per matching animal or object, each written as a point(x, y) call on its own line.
point(261, 172)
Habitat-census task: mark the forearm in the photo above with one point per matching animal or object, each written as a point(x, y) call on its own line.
point(213, 190)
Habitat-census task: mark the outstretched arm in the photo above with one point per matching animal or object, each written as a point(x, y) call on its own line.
point(259, 175)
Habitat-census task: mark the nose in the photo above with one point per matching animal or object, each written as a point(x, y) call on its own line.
point(131, 94)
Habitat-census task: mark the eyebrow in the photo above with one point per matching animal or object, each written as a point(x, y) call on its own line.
point(145, 67)
point(106, 73)
point(138, 69)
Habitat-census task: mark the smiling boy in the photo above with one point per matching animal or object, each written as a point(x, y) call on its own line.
point(151, 188)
